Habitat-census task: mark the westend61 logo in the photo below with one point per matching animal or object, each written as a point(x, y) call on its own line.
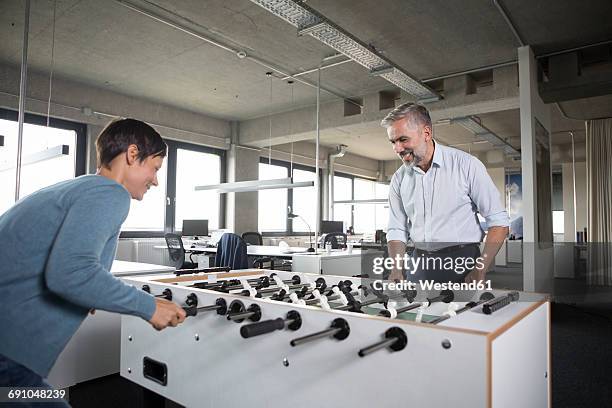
point(413, 264)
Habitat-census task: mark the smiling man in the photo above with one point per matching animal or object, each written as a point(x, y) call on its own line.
point(434, 198)
point(57, 246)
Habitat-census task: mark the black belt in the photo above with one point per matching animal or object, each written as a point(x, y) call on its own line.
point(447, 249)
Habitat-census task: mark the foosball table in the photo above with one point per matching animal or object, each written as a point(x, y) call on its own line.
point(261, 338)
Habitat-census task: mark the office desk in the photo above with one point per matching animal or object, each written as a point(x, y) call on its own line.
point(121, 268)
point(93, 351)
point(338, 262)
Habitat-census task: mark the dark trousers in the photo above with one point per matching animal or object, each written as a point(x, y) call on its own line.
point(13, 374)
point(445, 265)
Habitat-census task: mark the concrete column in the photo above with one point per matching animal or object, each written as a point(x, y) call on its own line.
point(241, 208)
point(537, 258)
point(498, 176)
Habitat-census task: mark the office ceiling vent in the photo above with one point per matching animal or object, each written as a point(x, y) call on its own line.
point(481, 132)
point(309, 21)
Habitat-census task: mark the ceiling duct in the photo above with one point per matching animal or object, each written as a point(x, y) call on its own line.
point(481, 132)
point(309, 21)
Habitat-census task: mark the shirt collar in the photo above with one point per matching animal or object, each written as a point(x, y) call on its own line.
point(438, 157)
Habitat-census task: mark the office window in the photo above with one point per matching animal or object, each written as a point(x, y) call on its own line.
point(364, 214)
point(382, 210)
point(149, 214)
point(165, 207)
point(49, 154)
point(343, 190)
point(304, 201)
point(558, 222)
point(370, 217)
point(195, 168)
point(272, 210)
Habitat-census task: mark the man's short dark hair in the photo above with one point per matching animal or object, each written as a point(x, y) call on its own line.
point(118, 135)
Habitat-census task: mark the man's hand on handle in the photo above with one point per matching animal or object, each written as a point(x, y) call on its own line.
point(166, 314)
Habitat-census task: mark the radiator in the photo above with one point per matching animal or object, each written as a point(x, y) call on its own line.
point(143, 250)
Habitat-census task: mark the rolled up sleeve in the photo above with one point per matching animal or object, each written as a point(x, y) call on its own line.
point(486, 197)
point(397, 229)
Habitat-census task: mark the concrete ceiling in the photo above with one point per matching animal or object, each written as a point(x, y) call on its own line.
point(105, 44)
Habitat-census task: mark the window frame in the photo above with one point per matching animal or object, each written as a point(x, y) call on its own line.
point(170, 212)
point(287, 166)
point(353, 178)
point(80, 130)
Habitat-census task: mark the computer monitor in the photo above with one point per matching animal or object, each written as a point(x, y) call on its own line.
point(331, 226)
point(195, 228)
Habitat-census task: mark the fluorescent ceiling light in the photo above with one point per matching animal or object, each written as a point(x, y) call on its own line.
point(254, 185)
point(310, 22)
point(47, 154)
point(483, 133)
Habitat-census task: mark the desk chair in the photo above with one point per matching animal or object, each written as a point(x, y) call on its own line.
point(176, 250)
point(232, 252)
point(252, 238)
point(338, 240)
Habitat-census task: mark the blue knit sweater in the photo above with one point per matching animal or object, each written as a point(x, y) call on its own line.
point(56, 248)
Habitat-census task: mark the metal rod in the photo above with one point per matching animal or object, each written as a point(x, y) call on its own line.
point(241, 315)
point(409, 307)
point(52, 64)
point(315, 336)
point(317, 181)
point(310, 71)
point(22, 95)
point(375, 347)
point(506, 17)
point(470, 71)
point(208, 308)
point(550, 54)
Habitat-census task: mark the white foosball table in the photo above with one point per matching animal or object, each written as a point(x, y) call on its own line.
point(304, 340)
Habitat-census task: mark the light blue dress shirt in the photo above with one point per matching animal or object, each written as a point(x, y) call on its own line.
point(441, 205)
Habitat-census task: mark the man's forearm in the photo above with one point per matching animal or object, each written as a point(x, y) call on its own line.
point(495, 239)
point(396, 248)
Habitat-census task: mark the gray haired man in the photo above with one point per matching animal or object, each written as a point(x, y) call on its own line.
point(435, 196)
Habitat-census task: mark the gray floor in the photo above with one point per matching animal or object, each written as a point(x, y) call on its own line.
point(574, 292)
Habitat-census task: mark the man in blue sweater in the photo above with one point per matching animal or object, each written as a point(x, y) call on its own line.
point(56, 249)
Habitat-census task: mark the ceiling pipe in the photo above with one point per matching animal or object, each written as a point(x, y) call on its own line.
point(470, 71)
point(239, 53)
point(513, 62)
point(310, 71)
point(506, 17)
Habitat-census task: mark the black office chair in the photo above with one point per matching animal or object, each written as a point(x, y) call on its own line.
point(177, 252)
point(338, 240)
point(232, 252)
point(252, 238)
